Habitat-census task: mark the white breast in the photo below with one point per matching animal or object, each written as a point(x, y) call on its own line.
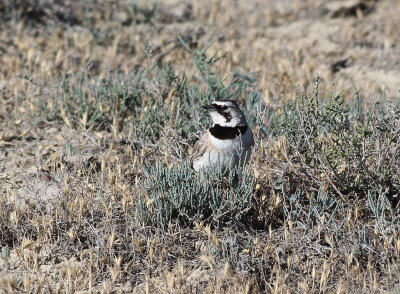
point(227, 153)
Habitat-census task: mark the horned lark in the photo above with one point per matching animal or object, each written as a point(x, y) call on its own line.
point(227, 143)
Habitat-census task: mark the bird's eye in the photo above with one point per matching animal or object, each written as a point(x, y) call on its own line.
point(225, 107)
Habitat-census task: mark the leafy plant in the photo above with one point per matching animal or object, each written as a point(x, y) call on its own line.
point(175, 194)
point(330, 145)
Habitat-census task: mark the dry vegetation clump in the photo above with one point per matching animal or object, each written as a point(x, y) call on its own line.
point(99, 113)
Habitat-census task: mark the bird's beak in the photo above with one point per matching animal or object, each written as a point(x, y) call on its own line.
point(208, 107)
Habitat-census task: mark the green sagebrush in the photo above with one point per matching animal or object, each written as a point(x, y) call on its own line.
point(177, 194)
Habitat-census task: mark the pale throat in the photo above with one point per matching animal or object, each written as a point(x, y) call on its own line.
point(220, 120)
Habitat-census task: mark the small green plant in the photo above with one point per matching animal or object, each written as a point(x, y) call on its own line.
point(299, 207)
point(331, 144)
point(5, 253)
point(175, 194)
point(144, 13)
point(93, 102)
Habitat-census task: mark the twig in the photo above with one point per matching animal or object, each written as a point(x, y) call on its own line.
point(335, 187)
point(189, 38)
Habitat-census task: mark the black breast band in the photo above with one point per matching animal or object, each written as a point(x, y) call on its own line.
point(227, 133)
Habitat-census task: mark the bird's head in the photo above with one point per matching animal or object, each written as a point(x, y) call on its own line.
point(226, 113)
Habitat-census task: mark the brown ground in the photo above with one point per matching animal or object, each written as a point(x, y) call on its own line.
point(286, 44)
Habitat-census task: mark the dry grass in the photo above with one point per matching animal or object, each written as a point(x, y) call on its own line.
point(89, 106)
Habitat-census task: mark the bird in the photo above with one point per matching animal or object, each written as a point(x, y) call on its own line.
point(227, 143)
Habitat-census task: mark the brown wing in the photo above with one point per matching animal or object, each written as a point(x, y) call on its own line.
point(200, 148)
